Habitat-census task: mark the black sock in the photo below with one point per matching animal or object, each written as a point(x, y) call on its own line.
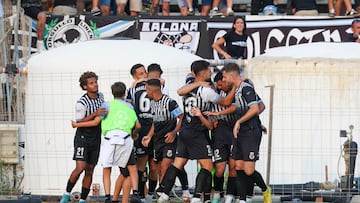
point(257, 178)
point(182, 175)
point(241, 184)
point(152, 186)
point(69, 186)
point(169, 178)
point(84, 193)
point(203, 183)
point(250, 186)
point(208, 186)
point(107, 196)
point(231, 186)
point(141, 186)
point(218, 183)
point(135, 193)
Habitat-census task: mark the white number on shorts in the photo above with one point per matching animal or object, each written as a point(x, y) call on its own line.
point(144, 103)
point(217, 153)
point(80, 151)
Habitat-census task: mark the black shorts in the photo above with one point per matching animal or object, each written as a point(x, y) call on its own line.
point(140, 149)
point(246, 146)
point(32, 11)
point(85, 152)
point(164, 150)
point(194, 144)
point(132, 159)
point(222, 138)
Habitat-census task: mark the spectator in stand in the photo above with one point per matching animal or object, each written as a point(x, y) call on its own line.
point(355, 36)
point(63, 7)
point(1, 10)
point(357, 6)
point(304, 7)
point(135, 7)
point(154, 8)
point(32, 8)
point(235, 41)
point(258, 5)
point(336, 10)
point(215, 8)
point(95, 11)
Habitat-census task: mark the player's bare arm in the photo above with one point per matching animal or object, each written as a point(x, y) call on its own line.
point(187, 88)
point(146, 139)
point(85, 124)
point(230, 109)
point(170, 137)
point(252, 111)
point(196, 112)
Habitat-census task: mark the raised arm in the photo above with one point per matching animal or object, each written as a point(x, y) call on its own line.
point(188, 87)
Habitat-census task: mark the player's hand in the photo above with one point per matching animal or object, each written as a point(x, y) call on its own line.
point(215, 123)
point(162, 82)
point(134, 83)
point(227, 56)
point(196, 111)
point(263, 129)
point(73, 124)
point(135, 136)
point(236, 128)
point(209, 113)
point(100, 111)
point(170, 137)
point(145, 141)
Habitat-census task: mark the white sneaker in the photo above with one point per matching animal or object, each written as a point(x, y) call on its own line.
point(40, 46)
point(195, 200)
point(215, 12)
point(351, 12)
point(230, 12)
point(163, 198)
point(96, 11)
point(186, 196)
point(229, 198)
point(148, 198)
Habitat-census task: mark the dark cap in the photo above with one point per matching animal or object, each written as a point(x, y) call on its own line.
point(154, 82)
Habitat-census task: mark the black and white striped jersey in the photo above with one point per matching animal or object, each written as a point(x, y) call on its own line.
point(245, 96)
point(229, 118)
point(85, 106)
point(201, 97)
point(165, 113)
point(137, 96)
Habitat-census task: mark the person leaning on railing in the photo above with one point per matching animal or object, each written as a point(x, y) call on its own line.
point(32, 8)
point(235, 41)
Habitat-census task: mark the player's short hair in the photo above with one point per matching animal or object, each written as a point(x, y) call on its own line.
point(135, 67)
point(154, 67)
point(154, 82)
point(218, 76)
point(199, 65)
point(118, 89)
point(232, 67)
point(86, 75)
